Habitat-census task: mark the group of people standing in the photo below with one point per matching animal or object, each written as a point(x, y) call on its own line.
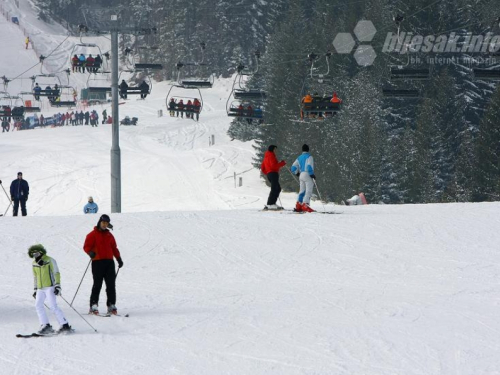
point(191, 108)
point(90, 64)
point(303, 167)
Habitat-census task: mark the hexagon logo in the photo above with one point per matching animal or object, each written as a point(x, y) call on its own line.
point(365, 55)
point(365, 31)
point(343, 43)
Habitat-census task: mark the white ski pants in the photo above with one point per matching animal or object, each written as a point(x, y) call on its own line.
point(47, 294)
point(306, 187)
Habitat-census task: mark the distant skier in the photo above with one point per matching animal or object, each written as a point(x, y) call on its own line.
point(47, 286)
point(100, 246)
point(27, 42)
point(358, 199)
point(91, 207)
point(304, 168)
point(104, 116)
point(19, 191)
point(271, 168)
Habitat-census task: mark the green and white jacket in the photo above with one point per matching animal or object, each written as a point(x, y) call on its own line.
point(47, 274)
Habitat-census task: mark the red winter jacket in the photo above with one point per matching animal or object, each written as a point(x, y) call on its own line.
point(270, 163)
point(102, 243)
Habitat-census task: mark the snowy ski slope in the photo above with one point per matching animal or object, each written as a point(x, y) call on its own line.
point(213, 285)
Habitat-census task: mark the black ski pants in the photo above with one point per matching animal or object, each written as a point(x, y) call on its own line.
point(274, 179)
point(103, 270)
point(16, 207)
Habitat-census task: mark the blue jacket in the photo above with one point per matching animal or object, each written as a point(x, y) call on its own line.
point(19, 189)
point(90, 208)
point(304, 163)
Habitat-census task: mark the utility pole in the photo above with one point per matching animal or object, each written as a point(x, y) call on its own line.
point(116, 174)
point(112, 21)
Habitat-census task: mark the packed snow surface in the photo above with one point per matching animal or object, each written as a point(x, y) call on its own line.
point(212, 284)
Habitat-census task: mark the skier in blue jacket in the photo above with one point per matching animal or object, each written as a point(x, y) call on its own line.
point(304, 168)
point(91, 207)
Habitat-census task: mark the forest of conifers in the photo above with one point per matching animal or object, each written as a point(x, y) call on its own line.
point(443, 146)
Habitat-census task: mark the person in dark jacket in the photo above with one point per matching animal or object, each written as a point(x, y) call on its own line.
point(144, 89)
point(271, 168)
point(100, 246)
point(123, 89)
point(19, 191)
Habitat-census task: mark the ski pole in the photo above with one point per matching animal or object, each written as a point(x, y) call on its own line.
point(5, 213)
point(117, 273)
point(90, 261)
point(315, 184)
point(295, 178)
point(281, 204)
point(80, 315)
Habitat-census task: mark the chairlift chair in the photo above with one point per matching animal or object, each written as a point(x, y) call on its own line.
point(408, 73)
point(400, 93)
point(487, 74)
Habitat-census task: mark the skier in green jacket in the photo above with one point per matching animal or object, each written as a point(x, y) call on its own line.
point(47, 286)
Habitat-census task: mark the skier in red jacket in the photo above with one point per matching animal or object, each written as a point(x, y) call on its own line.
point(100, 246)
point(270, 167)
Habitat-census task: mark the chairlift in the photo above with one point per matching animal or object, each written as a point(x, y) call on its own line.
point(241, 111)
point(66, 91)
point(174, 101)
point(400, 72)
point(400, 93)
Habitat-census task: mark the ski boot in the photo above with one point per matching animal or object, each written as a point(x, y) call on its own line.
point(94, 309)
point(307, 208)
point(65, 328)
point(298, 207)
point(112, 310)
point(45, 329)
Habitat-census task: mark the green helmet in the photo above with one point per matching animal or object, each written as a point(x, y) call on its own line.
point(38, 248)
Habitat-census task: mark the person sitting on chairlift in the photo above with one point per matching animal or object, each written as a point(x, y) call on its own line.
point(171, 107)
point(90, 64)
point(82, 62)
point(144, 89)
point(197, 107)
point(189, 109)
point(97, 63)
point(180, 108)
point(123, 89)
point(36, 91)
point(75, 61)
point(249, 114)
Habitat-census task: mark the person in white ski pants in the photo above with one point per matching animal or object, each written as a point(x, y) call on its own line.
point(47, 294)
point(304, 166)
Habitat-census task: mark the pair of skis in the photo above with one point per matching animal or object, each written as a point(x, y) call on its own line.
point(34, 334)
point(300, 212)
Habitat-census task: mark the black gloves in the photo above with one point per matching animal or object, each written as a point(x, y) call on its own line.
point(91, 254)
point(313, 177)
point(57, 290)
point(120, 262)
point(34, 294)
